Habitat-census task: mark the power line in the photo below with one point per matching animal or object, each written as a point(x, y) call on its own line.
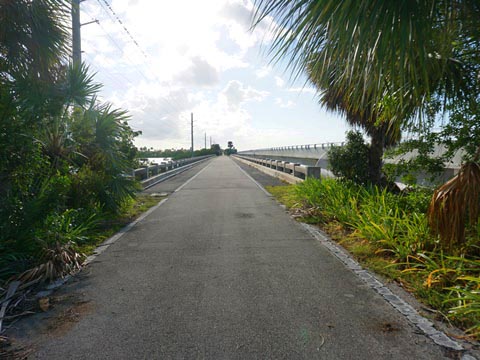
point(166, 121)
point(112, 14)
point(174, 107)
point(117, 18)
point(123, 25)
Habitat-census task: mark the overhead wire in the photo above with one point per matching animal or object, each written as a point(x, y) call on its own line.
point(113, 15)
point(113, 78)
point(173, 108)
point(123, 26)
point(107, 8)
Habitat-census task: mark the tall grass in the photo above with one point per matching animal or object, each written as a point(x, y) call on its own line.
point(393, 223)
point(396, 228)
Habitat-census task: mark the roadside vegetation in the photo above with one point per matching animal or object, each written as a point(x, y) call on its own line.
point(63, 154)
point(395, 68)
point(389, 234)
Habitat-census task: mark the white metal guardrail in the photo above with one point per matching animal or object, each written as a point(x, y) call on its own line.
point(153, 174)
point(300, 147)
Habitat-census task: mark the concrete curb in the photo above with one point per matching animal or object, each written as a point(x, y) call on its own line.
point(422, 323)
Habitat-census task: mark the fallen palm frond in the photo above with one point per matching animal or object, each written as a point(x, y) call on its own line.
point(58, 261)
point(456, 204)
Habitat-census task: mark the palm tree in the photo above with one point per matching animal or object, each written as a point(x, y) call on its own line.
point(103, 138)
point(417, 45)
point(33, 36)
point(74, 87)
point(395, 56)
point(383, 130)
point(33, 41)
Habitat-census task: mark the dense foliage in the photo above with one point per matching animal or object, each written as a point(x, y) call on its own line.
point(63, 154)
point(351, 161)
point(387, 66)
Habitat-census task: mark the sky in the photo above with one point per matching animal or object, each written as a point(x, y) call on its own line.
point(163, 60)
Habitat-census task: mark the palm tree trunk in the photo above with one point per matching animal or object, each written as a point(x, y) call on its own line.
point(377, 146)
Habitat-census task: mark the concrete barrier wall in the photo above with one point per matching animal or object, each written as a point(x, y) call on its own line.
point(284, 170)
point(317, 155)
point(146, 172)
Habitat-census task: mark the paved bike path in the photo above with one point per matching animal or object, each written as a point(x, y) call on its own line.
point(220, 271)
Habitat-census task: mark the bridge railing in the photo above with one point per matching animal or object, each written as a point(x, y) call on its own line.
point(148, 171)
point(150, 175)
point(296, 170)
point(300, 147)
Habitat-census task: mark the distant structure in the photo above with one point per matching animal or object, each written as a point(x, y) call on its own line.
point(231, 149)
point(317, 155)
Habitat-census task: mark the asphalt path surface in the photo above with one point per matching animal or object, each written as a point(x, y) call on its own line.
point(220, 271)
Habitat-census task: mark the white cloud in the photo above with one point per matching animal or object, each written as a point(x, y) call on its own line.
point(263, 71)
point(235, 94)
point(200, 73)
point(201, 57)
point(288, 104)
point(305, 89)
point(170, 35)
point(279, 81)
point(158, 116)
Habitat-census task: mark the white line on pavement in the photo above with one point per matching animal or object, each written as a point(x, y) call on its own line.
point(193, 177)
point(255, 181)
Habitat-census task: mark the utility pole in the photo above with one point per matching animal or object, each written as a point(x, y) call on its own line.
point(205, 141)
point(210, 141)
point(76, 39)
point(192, 131)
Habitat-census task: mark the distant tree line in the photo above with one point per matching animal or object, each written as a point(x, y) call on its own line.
point(177, 154)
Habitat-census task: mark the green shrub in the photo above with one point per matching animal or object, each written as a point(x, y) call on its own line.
point(351, 161)
point(334, 200)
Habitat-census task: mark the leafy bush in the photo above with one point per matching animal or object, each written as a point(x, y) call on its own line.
point(351, 161)
point(74, 163)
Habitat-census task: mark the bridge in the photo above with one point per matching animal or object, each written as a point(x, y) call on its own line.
point(218, 270)
point(308, 154)
point(316, 155)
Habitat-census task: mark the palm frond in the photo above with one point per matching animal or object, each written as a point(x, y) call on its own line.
point(456, 204)
point(409, 44)
point(33, 35)
point(79, 87)
point(58, 260)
